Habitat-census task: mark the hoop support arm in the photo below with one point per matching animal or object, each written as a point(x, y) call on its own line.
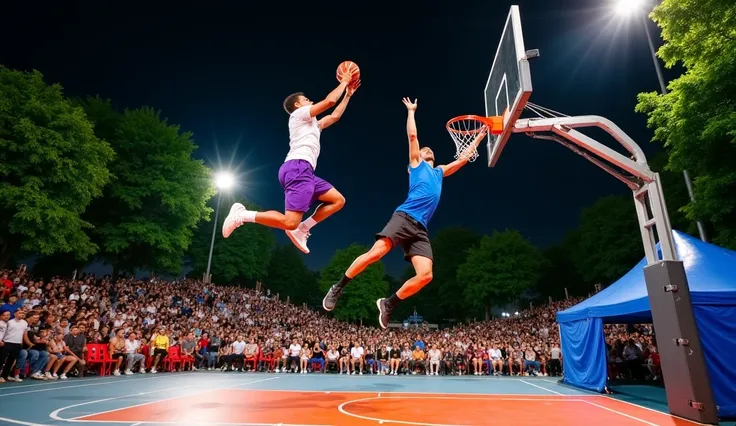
point(565, 127)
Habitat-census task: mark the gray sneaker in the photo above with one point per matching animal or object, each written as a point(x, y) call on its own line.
point(384, 313)
point(330, 300)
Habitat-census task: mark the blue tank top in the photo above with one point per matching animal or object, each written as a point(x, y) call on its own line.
point(425, 187)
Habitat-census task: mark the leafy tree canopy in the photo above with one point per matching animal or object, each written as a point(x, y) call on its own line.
point(148, 214)
point(499, 270)
point(696, 120)
point(52, 165)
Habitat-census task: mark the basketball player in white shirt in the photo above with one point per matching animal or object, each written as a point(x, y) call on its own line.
point(301, 186)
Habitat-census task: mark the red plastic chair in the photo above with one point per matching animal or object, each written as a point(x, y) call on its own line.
point(172, 359)
point(268, 360)
point(97, 355)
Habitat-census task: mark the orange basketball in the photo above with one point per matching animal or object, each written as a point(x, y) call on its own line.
point(347, 67)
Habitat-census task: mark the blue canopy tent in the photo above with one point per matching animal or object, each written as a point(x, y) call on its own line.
point(711, 272)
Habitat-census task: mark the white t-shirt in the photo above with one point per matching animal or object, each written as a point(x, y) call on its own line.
point(14, 331)
point(356, 352)
point(434, 354)
point(3, 327)
point(332, 355)
point(303, 137)
point(238, 347)
point(131, 347)
point(295, 349)
point(495, 354)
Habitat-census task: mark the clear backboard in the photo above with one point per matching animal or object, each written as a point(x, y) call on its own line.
point(509, 83)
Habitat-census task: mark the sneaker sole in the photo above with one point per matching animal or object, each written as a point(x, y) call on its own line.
point(325, 306)
point(380, 313)
point(226, 224)
point(296, 243)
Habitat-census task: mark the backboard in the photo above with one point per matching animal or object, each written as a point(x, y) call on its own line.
point(509, 83)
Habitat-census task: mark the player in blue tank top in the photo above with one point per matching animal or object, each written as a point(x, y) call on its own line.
point(408, 226)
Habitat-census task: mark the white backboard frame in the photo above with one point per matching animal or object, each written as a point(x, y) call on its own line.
point(496, 143)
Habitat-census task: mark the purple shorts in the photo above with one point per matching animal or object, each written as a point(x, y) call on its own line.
point(301, 186)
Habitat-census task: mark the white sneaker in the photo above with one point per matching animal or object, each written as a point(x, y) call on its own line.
point(128, 372)
point(116, 373)
point(299, 237)
point(16, 379)
point(233, 219)
point(141, 370)
point(153, 371)
point(49, 376)
point(62, 377)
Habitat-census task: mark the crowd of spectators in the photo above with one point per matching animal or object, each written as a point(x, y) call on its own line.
point(55, 329)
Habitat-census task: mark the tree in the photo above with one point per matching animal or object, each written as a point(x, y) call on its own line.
point(696, 120)
point(148, 214)
point(608, 240)
point(499, 270)
point(52, 165)
point(245, 255)
point(358, 300)
point(289, 276)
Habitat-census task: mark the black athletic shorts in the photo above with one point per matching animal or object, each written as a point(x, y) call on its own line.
point(404, 231)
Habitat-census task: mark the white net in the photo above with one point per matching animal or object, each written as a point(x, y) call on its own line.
point(464, 132)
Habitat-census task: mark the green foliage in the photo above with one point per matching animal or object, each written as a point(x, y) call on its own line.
point(288, 275)
point(147, 215)
point(244, 256)
point(696, 120)
point(608, 241)
point(502, 267)
point(358, 300)
point(52, 165)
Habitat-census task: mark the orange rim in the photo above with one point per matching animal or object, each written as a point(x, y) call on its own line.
point(494, 124)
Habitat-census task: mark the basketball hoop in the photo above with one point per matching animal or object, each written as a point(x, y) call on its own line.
point(465, 129)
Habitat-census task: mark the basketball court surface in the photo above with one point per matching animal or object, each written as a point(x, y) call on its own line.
point(216, 398)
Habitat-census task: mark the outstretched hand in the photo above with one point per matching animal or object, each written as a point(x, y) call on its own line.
point(410, 106)
point(347, 77)
point(352, 88)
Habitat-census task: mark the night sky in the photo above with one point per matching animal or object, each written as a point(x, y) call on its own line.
point(223, 71)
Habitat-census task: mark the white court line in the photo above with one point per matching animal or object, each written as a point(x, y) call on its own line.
point(341, 407)
point(18, 422)
point(56, 382)
point(402, 393)
point(540, 387)
point(650, 409)
point(85, 385)
point(156, 422)
point(55, 414)
point(620, 413)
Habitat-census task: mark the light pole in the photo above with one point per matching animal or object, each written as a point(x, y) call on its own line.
point(629, 7)
point(223, 181)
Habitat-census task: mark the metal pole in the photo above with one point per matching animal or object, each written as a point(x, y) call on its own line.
point(663, 88)
point(214, 231)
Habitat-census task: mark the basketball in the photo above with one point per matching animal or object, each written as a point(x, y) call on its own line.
point(347, 67)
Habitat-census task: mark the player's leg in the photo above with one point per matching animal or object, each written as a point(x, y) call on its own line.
point(379, 249)
point(332, 201)
point(422, 267)
point(297, 179)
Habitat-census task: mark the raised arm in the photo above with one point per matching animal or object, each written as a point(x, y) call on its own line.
point(411, 132)
point(333, 118)
point(451, 168)
point(332, 97)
